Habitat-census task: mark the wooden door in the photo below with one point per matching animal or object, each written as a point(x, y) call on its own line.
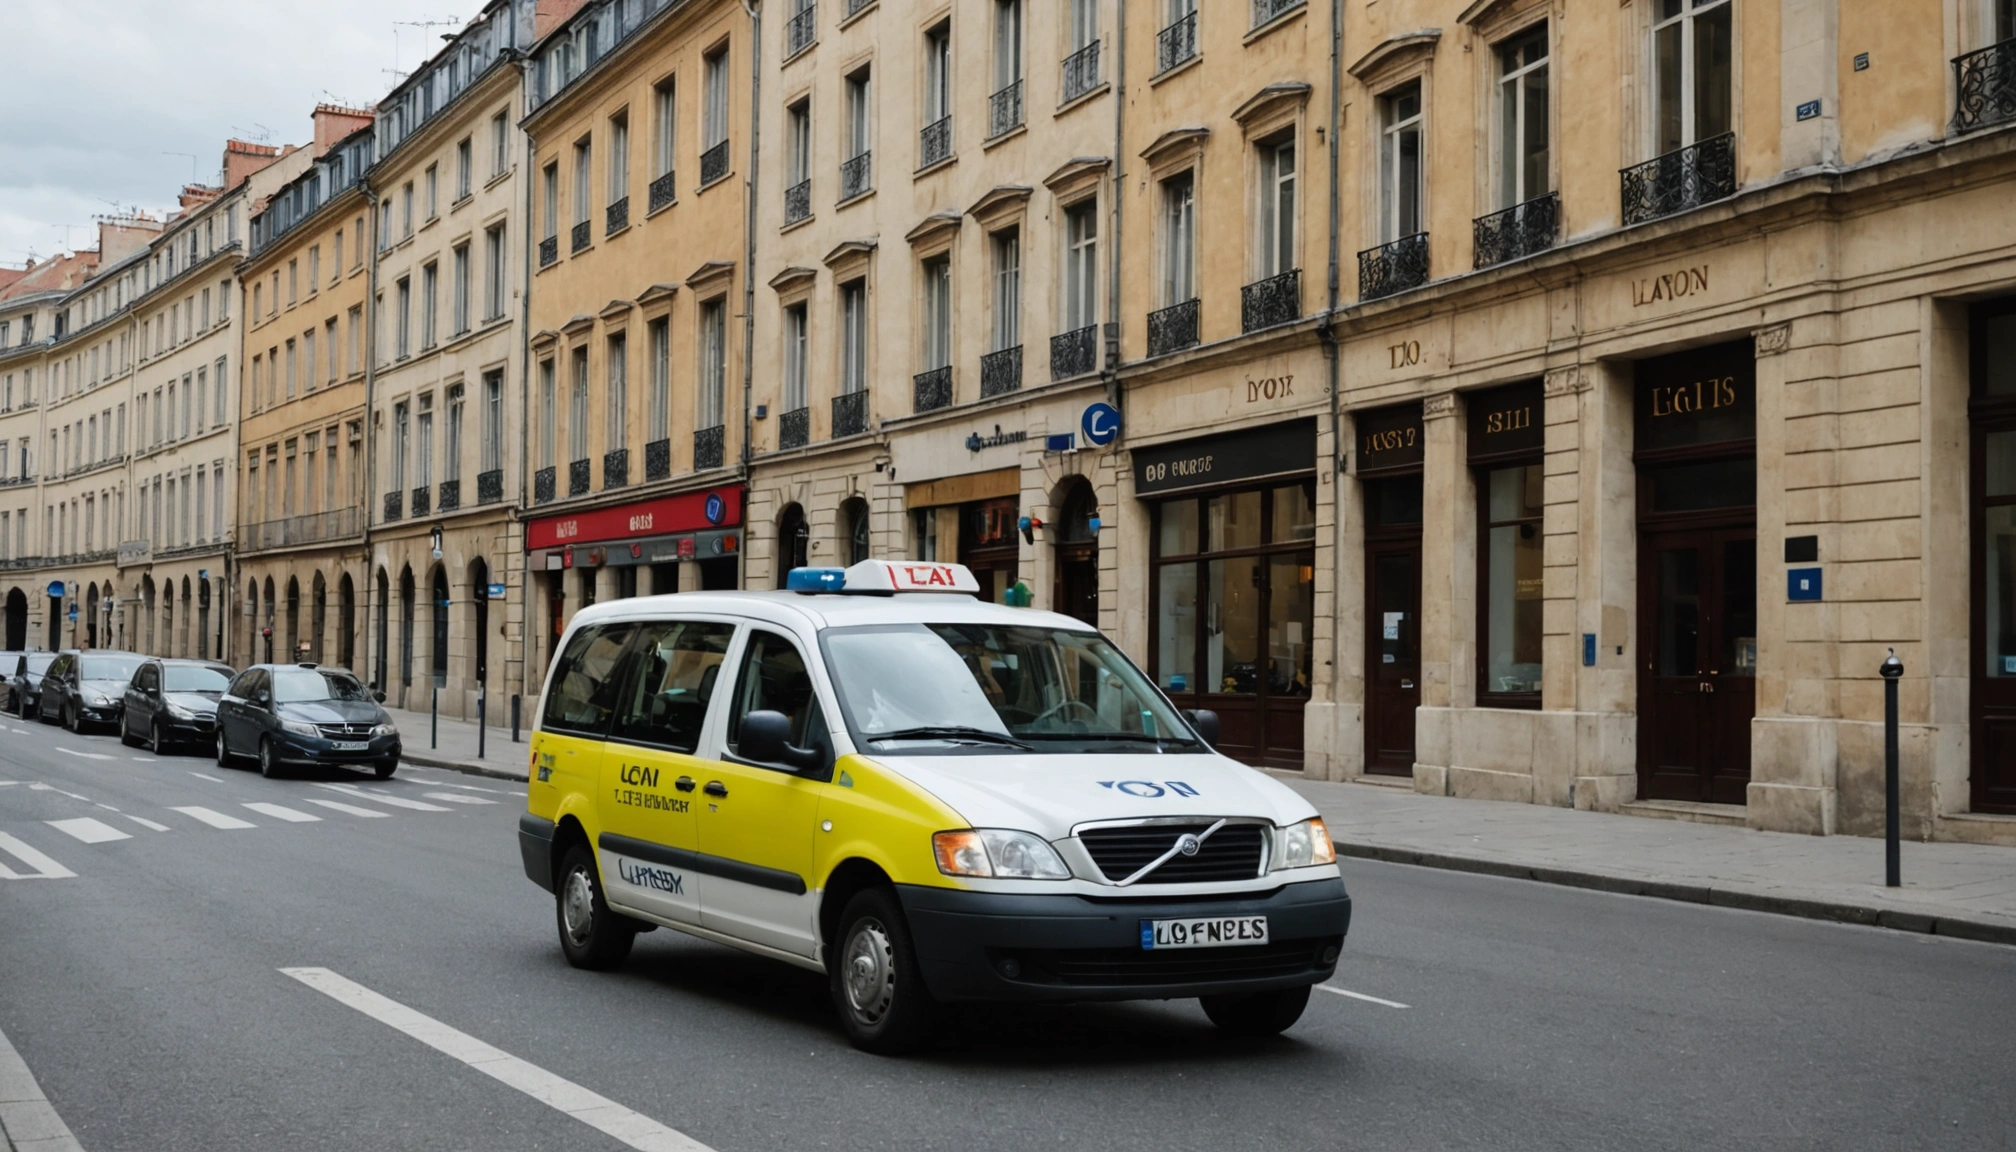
point(1992, 699)
point(1077, 592)
point(1392, 654)
point(1697, 687)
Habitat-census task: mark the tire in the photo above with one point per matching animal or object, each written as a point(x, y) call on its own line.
point(878, 988)
point(1255, 1014)
point(269, 766)
point(591, 936)
point(385, 768)
point(71, 720)
point(223, 750)
point(157, 743)
point(126, 733)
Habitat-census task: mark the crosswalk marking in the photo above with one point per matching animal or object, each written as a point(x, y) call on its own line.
point(148, 824)
point(456, 798)
point(83, 755)
point(214, 818)
point(394, 801)
point(463, 787)
point(88, 830)
point(45, 868)
point(352, 809)
point(212, 779)
point(290, 815)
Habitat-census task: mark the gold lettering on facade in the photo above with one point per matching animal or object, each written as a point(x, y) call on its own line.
point(1389, 440)
point(1405, 354)
point(1688, 399)
point(1510, 420)
point(1192, 466)
point(1272, 388)
point(1669, 286)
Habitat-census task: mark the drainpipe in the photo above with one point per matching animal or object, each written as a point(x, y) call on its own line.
point(527, 69)
point(370, 390)
point(755, 10)
point(1112, 341)
point(1327, 333)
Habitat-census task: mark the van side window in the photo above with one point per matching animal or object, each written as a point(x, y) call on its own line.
point(774, 679)
point(678, 664)
point(585, 681)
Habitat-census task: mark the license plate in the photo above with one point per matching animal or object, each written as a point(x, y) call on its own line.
point(349, 745)
point(1204, 932)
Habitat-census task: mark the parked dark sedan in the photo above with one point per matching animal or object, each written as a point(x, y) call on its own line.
point(8, 662)
point(305, 714)
point(86, 688)
point(24, 682)
point(174, 702)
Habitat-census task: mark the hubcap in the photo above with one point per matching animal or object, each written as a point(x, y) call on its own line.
point(869, 971)
point(577, 907)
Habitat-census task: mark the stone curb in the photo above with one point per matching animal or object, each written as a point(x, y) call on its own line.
point(1961, 929)
point(468, 767)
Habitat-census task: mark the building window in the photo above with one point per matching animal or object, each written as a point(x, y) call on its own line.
point(577, 416)
point(1007, 246)
point(794, 357)
point(664, 141)
point(1275, 245)
point(459, 290)
point(660, 414)
point(1692, 71)
point(547, 414)
point(404, 321)
point(937, 93)
point(854, 336)
point(493, 420)
point(1506, 445)
point(1179, 239)
point(582, 158)
point(1523, 129)
point(619, 163)
point(1081, 266)
point(616, 405)
point(464, 161)
point(406, 209)
point(856, 173)
point(1400, 167)
point(451, 440)
point(1004, 112)
point(430, 275)
point(433, 184)
point(714, 120)
point(493, 272)
point(426, 444)
point(937, 319)
point(401, 444)
point(549, 216)
point(798, 163)
point(500, 143)
point(713, 364)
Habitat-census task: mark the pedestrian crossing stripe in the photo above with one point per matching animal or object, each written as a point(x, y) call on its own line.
point(281, 812)
point(44, 867)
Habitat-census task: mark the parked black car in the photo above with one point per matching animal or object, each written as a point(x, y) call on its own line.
point(305, 714)
point(24, 682)
point(8, 662)
point(86, 688)
point(174, 702)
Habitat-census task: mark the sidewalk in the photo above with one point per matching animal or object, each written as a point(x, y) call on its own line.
point(1965, 890)
point(457, 746)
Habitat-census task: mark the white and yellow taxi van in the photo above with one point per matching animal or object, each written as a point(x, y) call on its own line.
point(876, 775)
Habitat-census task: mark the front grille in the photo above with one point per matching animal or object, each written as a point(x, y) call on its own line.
point(1234, 852)
point(344, 731)
point(1119, 967)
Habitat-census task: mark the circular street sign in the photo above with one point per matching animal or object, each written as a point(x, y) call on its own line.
point(1101, 424)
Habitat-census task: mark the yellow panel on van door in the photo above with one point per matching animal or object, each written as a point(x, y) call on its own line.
point(885, 819)
point(566, 777)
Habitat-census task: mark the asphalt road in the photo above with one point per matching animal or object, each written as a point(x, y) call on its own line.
point(147, 995)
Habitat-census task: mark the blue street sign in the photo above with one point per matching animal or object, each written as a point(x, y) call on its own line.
point(496, 592)
point(717, 508)
point(1101, 424)
point(55, 588)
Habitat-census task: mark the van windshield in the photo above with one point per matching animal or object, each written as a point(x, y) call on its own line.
point(919, 688)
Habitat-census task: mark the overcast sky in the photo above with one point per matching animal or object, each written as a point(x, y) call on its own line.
point(98, 90)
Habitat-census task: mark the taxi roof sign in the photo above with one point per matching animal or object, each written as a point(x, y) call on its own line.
point(885, 578)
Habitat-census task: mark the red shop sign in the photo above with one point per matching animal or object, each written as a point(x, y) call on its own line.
point(688, 512)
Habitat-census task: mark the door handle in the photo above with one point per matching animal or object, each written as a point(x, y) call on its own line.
point(1707, 686)
point(684, 784)
point(715, 788)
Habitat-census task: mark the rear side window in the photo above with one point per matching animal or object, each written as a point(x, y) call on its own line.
point(585, 683)
point(679, 662)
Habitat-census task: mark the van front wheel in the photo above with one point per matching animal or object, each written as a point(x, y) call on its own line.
point(1257, 1013)
point(877, 987)
point(591, 935)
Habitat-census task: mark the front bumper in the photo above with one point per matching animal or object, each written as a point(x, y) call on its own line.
point(994, 946)
point(294, 748)
point(196, 729)
point(101, 714)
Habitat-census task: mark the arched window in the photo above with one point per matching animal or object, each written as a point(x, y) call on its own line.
point(793, 541)
point(854, 525)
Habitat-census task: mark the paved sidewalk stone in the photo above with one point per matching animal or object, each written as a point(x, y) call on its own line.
point(457, 746)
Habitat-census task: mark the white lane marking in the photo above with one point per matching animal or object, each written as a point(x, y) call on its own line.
point(394, 801)
point(633, 1129)
point(518, 793)
point(214, 818)
point(1359, 996)
point(463, 787)
point(38, 786)
point(212, 779)
point(352, 809)
point(288, 814)
point(88, 830)
point(456, 798)
point(142, 759)
point(84, 755)
point(108, 808)
point(44, 867)
point(148, 824)
point(5, 783)
point(19, 731)
point(25, 1110)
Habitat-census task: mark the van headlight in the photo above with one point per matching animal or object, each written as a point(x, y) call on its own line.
point(1304, 844)
point(999, 854)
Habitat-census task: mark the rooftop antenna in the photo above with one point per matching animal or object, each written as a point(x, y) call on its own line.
point(337, 100)
point(398, 24)
point(257, 134)
point(192, 164)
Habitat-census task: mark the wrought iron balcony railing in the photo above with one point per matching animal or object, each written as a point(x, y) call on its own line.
point(803, 31)
point(1176, 43)
point(662, 191)
point(1001, 372)
point(1393, 267)
point(857, 175)
point(1685, 178)
point(657, 459)
point(490, 486)
point(422, 497)
point(1266, 10)
point(1081, 71)
point(449, 498)
point(1174, 328)
point(710, 448)
point(615, 468)
point(934, 143)
point(393, 503)
point(932, 389)
point(577, 478)
point(1984, 83)
point(1518, 231)
point(714, 163)
point(549, 250)
point(798, 201)
point(1275, 300)
point(578, 238)
point(544, 485)
point(794, 428)
point(850, 413)
point(1004, 110)
point(616, 217)
point(1074, 353)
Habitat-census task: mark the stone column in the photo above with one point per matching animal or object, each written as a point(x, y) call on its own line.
point(689, 578)
point(1592, 578)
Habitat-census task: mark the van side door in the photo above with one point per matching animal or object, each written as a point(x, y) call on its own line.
point(580, 702)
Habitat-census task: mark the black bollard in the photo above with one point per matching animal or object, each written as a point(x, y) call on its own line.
point(514, 718)
point(482, 698)
point(1892, 669)
point(434, 719)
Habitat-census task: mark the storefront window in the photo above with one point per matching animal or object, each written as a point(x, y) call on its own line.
point(1511, 592)
point(1249, 551)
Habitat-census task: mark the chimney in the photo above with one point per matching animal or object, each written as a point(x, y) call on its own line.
point(242, 160)
point(551, 14)
point(333, 122)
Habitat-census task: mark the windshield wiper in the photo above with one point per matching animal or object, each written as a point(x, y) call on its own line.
point(1117, 738)
point(951, 732)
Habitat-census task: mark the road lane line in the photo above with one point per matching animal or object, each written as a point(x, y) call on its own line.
point(88, 830)
point(44, 867)
point(288, 814)
point(352, 809)
point(456, 798)
point(1359, 996)
point(394, 801)
point(633, 1129)
point(212, 779)
point(24, 1109)
point(517, 793)
point(5, 783)
point(214, 818)
point(148, 824)
point(463, 787)
point(142, 759)
point(38, 786)
point(84, 755)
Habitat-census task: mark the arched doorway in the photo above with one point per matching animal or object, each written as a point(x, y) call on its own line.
point(266, 624)
point(17, 620)
point(164, 640)
point(854, 538)
point(56, 616)
point(479, 619)
point(1076, 538)
point(346, 623)
point(794, 538)
point(384, 628)
point(318, 616)
point(147, 609)
point(293, 650)
point(203, 621)
point(91, 616)
point(438, 662)
point(405, 629)
point(251, 649)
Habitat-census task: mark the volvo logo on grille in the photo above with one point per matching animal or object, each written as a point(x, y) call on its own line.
point(1188, 844)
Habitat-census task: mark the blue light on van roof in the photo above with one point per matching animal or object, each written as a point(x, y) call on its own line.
point(816, 580)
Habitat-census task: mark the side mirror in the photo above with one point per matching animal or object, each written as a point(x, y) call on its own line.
point(378, 696)
point(766, 738)
point(1205, 721)
point(262, 698)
